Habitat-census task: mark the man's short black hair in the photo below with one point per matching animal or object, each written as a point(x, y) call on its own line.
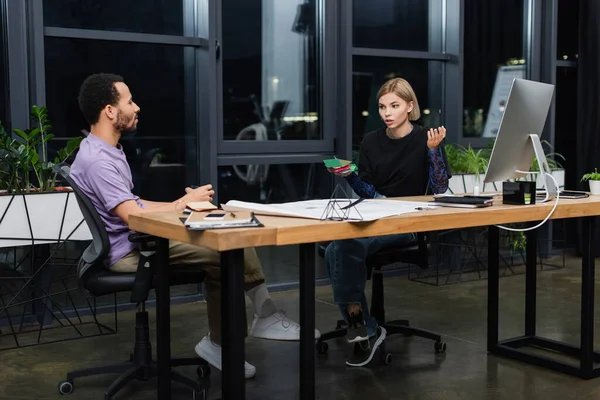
point(96, 92)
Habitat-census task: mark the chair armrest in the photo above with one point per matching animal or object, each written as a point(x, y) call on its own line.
point(144, 241)
point(136, 237)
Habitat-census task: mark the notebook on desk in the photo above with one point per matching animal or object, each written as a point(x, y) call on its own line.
point(199, 221)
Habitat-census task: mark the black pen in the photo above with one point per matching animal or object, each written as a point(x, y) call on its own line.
point(352, 204)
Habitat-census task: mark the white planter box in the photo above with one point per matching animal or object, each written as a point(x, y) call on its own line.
point(465, 183)
point(38, 218)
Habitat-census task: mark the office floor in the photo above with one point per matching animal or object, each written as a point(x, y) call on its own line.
point(457, 311)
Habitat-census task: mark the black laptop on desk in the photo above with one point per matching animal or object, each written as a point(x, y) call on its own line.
point(463, 201)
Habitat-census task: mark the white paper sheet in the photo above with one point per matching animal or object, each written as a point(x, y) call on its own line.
point(369, 209)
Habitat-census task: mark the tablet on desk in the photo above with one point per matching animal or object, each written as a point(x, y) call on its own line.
point(565, 194)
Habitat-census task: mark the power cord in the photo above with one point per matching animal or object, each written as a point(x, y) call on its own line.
point(545, 219)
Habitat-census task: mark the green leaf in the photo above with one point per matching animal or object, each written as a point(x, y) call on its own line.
point(34, 157)
point(21, 134)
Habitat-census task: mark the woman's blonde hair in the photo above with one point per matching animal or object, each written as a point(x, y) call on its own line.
point(401, 88)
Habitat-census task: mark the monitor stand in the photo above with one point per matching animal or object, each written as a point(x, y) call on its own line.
point(549, 184)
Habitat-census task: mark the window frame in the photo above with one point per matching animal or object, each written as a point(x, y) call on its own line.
point(327, 47)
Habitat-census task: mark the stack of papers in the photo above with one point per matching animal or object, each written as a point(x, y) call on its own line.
point(366, 210)
point(237, 219)
point(340, 166)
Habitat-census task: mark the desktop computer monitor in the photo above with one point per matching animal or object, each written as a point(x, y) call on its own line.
point(518, 138)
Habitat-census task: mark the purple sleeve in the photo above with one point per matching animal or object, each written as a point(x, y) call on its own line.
point(109, 186)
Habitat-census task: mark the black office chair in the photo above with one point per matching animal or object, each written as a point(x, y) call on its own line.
point(98, 280)
point(418, 254)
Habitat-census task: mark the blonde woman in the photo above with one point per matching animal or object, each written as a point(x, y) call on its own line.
point(400, 159)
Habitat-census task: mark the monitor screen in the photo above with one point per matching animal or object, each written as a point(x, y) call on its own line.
point(525, 114)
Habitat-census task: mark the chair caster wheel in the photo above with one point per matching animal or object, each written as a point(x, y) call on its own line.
point(440, 347)
point(203, 371)
point(322, 347)
point(66, 387)
point(386, 358)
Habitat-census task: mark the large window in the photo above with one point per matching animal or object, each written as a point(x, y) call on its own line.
point(162, 152)
point(371, 72)
point(271, 70)
point(493, 55)
point(142, 16)
point(396, 24)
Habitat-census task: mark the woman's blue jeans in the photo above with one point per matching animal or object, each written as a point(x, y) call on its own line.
point(345, 261)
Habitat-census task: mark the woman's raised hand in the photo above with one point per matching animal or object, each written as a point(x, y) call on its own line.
point(435, 137)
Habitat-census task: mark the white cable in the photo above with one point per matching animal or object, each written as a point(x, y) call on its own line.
point(545, 219)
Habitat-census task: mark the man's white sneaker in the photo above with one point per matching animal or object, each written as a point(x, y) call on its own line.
point(277, 326)
point(212, 354)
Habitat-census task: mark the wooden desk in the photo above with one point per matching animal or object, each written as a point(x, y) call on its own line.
point(285, 231)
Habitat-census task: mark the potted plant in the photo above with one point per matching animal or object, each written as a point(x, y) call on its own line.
point(467, 165)
point(594, 180)
point(32, 210)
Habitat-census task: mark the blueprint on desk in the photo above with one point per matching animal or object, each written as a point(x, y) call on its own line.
point(366, 210)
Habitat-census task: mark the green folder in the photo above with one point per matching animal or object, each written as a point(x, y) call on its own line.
point(336, 163)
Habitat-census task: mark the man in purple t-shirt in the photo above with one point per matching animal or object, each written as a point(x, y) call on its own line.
point(101, 171)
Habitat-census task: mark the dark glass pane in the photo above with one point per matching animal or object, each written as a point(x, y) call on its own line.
point(396, 24)
point(162, 153)
point(371, 72)
point(276, 183)
point(565, 132)
point(271, 70)
point(493, 41)
point(3, 74)
point(281, 183)
point(142, 16)
point(567, 31)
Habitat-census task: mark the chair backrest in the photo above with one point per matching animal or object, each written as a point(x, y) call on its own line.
point(100, 245)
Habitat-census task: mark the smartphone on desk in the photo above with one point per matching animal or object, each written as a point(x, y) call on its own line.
point(215, 216)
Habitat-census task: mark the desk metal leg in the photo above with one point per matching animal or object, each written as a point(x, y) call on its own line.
point(587, 297)
point(233, 323)
point(531, 282)
point(493, 286)
point(307, 321)
point(163, 320)
point(519, 348)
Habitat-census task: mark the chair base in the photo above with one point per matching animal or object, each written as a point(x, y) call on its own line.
point(140, 366)
point(392, 327)
point(130, 370)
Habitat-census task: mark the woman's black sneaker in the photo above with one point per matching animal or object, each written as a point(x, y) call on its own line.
point(357, 329)
point(364, 351)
